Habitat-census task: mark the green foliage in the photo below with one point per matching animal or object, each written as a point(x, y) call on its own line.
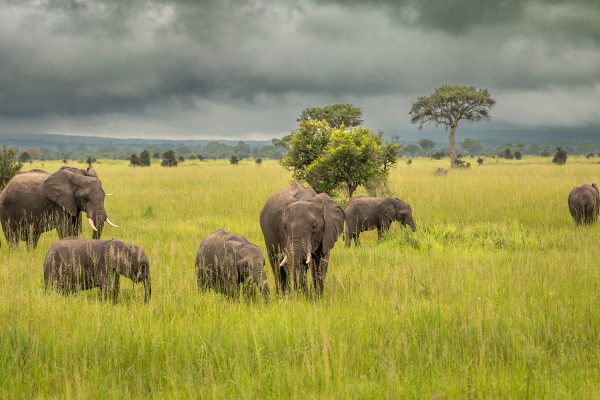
point(258, 162)
point(144, 158)
point(9, 165)
point(169, 159)
point(234, 159)
point(351, 158)
point(560, 157)
point(331, 159)
point(518, 155)
point(337, 115)
point(134, 160)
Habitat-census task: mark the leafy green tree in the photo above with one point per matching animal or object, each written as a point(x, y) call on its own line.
point(258, 162)
point(448, 105)
point(242, 149)
point(306, 145)
point(336, 115)
point(427, 145)
point(24, 157)
point(145, 158)
point(234, 159)
point(518, 155)
point(390, 152)
point(473, 147)
point(9, 165)
point(351, 158)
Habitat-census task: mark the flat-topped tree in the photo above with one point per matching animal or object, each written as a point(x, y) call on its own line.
point(450, 104)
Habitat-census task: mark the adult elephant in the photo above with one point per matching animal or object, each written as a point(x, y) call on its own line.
point(74, 264)
point(34, 202)
point(584, 204)
point(300, 228)
point(366, 213)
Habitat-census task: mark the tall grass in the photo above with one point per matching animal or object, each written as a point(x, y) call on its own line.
point(495, 295)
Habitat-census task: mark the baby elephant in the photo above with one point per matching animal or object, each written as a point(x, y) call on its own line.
point(74, 264)
point(366, 213)
point(226, 260)
point(583, 204)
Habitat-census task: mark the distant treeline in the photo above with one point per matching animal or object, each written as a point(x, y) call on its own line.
point(212, 150)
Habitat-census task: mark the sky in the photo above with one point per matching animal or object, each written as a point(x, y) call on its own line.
point(224, 69)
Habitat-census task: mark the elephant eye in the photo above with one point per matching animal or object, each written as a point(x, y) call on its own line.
point(314, 226)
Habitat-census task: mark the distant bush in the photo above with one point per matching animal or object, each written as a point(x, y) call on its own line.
point(480, 161)
point(169, 159)
point(258, 161)
point(518, 155)
point(560, 157)
point(234, 160)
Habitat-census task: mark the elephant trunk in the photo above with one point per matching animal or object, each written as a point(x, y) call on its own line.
point(147, 289)
point(96, 220)
point(298, 255)
point(411, 222)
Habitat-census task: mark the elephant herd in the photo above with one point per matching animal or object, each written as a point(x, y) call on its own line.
point(299, 225)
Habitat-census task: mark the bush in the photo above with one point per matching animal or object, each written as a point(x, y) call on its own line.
point(9, 165)
point(169, 159)
point(518, 155)
point(234, 160)
point(560, 157)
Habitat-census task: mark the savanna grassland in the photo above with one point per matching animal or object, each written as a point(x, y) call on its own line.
point(497, 294)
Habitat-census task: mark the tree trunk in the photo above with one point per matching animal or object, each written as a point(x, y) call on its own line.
point(452, 146)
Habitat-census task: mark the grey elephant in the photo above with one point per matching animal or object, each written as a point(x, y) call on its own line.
point(225, 260)
point(73, 264)
point(34, 202)
point(300, 229)
point(366, 213)
point(584, 203)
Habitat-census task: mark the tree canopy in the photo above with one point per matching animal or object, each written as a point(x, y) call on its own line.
point(338, 159)
point(336, 115)
point(450, 104)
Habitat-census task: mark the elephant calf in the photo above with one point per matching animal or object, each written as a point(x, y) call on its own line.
point(584, 203)
point(74, 264)
point(366, 213)
point(225, 260)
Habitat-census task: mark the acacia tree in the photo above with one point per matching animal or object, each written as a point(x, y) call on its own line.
point(450, 104)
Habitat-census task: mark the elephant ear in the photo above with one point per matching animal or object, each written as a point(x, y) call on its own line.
point(387, 208)
point(334, 217)
point(91, 172)
point(59, 188)
point(595, 187)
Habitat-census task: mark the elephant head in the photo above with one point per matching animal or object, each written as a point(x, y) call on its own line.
point(311, 227)
point(250, 265)
point(130, 261)
point(76, 190)
point(397, 210)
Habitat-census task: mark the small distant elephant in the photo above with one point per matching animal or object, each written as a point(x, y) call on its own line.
point(300, 228)
point(225, 260)
point(34, 202)
point(75, 264)
point(366, 213)
point(584, 203)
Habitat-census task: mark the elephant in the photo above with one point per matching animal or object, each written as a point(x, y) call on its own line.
point(73, 264)
point(300, 228)
point(365, 213)
point(225, 260)
point(34, 202)
point(584, 203)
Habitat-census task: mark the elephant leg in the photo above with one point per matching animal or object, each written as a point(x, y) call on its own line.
point(382, 229)
point(11, 234)
point(319, 272)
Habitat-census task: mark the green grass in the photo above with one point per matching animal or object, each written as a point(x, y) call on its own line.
point(497, 295)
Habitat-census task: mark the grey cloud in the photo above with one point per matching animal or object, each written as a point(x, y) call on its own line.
point(245, 67)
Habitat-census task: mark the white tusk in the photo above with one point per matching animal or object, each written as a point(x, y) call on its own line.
point(308, 258)
point(92, 224)
point(284, 261)
point(108, 221)
point(108, 194)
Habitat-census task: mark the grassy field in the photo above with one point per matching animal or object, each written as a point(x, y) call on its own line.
point(497, 294)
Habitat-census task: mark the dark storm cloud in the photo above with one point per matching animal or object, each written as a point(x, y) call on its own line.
point(245, 67)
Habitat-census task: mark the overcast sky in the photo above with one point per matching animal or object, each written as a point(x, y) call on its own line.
point(246, 69)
